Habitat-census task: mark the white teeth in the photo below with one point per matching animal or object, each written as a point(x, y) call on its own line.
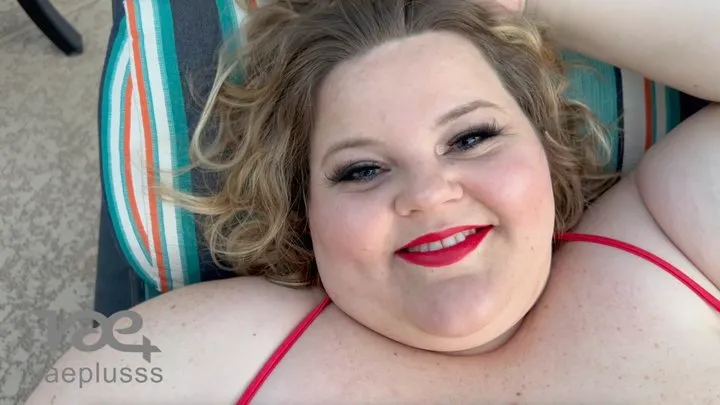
point(445, 243)
point(450, 241)
point(435, 246)
point(458, 239)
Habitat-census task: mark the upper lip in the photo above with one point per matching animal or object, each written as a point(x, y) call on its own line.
point(439, 235)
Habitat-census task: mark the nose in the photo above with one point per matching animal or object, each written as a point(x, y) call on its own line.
point(426, 190)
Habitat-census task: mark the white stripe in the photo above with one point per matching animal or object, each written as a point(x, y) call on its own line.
point(138, 167)
point(163, 137)
point(116, 170)
point(239, 13)
point(138, 162)
point(633, 91)
point(660, 112)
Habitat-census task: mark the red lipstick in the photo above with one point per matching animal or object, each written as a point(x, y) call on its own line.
point(446, 255)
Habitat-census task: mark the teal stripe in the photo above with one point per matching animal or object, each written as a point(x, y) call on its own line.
point(119, 43)
point(151, 293)
point(123, 164)
point(594, 84)
point(228, 17)
point(153, 125)
point(230, 22)
point(672, 99)
point(177, 120)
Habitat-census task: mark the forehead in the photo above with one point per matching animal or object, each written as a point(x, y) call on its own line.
point(411, 81)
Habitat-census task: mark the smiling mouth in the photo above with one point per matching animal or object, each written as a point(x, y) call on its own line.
point(438, 250)
point(448, 242)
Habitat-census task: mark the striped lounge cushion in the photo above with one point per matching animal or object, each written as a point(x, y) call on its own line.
point(148, 114)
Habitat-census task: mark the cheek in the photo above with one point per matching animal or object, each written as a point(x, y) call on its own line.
point(517, 187)
point(348, 229)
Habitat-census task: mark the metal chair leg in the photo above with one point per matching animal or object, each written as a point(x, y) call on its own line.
point(54, 25)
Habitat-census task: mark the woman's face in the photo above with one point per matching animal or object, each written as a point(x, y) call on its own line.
point(431, 207)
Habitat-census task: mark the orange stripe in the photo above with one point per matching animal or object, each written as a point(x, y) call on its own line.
point(252, 4)
point(648, 115)
point(128, 162)
point(149, 155)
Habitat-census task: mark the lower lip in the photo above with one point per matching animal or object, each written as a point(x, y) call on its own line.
point(446, 256)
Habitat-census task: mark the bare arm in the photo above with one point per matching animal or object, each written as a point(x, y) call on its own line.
point(213, 337)
point(679, 183)
point(674, 42)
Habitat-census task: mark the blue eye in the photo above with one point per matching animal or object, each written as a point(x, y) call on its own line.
point(472, 138)
point(359, 173)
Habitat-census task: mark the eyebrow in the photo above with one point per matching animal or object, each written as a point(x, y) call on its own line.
point(444, 119)
point(463, 109)
point(348, 144)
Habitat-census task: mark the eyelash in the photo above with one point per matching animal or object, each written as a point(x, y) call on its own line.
point(343, 173)
point(484, 132)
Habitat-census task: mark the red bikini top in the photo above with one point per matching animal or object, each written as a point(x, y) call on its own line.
point(285, 346)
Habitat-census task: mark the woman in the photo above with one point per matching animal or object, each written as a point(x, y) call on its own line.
point(410, 165)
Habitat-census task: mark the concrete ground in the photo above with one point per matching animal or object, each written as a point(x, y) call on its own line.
point(49, 183)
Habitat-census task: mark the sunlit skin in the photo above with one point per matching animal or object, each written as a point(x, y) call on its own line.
point(416, 136)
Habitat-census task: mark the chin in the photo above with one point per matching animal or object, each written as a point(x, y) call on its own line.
point(482, 341)
point(463, 309)
point(469, 324)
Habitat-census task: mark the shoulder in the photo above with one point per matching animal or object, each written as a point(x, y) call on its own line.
point(213, 338)
point(679, 179)
point(246, 298)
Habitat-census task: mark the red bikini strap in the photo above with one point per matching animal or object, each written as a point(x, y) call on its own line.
point(601, 240)
point(290, 340)
point(280, 352)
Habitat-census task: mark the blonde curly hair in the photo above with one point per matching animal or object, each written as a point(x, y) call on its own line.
point(255, 223)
